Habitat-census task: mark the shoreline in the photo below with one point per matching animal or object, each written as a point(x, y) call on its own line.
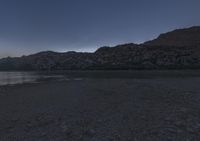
point(38, 77)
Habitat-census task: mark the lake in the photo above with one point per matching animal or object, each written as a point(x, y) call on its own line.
point(10, 78)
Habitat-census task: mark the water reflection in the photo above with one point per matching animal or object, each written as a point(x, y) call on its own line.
point(9, 78)
point(17, 77)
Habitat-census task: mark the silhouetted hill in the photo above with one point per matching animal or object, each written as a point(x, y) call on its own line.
point(179, 49)
point(179, 37)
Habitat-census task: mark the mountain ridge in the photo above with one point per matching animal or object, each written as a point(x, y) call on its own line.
point(178, 49)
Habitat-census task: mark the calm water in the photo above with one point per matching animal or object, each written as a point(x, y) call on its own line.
point(8, 78)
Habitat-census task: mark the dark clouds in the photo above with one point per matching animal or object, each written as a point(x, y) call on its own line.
point(28, 26)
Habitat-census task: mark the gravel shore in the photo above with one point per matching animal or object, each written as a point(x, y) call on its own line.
point(112, 109)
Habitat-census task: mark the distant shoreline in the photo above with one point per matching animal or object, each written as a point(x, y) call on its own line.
point(24, 77)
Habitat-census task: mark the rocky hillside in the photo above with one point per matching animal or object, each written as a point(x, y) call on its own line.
point(179, 37)
point(179, 49)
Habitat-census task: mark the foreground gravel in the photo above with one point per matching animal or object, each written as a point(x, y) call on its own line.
point(153, 109)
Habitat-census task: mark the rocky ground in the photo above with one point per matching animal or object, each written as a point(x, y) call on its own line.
point(112, 109)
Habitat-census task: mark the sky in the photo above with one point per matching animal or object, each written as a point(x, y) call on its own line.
point(30, 26)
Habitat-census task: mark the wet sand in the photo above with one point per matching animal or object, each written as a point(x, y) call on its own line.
point(104, 109)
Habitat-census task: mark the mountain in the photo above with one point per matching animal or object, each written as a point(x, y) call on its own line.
point(179, 37)
point(179, 49)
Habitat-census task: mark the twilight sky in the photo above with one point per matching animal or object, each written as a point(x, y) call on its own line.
point(29, 26)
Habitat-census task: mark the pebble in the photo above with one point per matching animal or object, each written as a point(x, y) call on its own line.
point(43, 134)
point(14, 119)
point(90, 132)
point(65, 129)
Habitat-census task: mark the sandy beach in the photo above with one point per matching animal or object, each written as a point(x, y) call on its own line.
point(103, 109)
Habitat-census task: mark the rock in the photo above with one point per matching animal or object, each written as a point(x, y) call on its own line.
point(43, 134)
point(183, 110)
point(65, 129)
point(180, 123)
point(90, 132)
point(14, 119)
point(196, 125)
